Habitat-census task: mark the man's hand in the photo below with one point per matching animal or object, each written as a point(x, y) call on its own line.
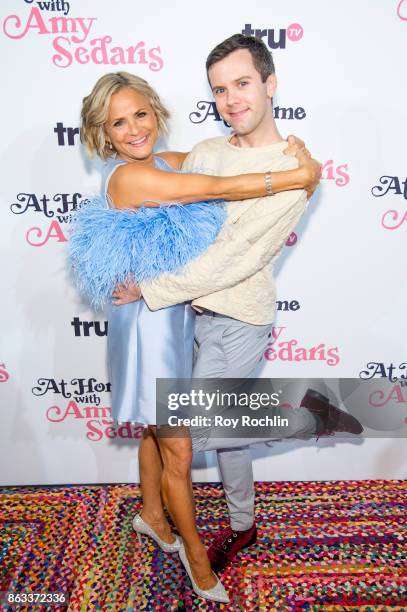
point(124, 294)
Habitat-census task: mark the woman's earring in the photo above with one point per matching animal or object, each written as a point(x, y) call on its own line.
point(109, 144)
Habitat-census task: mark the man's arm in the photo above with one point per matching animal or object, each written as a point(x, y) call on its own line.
point(241, 250)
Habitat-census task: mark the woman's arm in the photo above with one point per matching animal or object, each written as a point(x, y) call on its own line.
point(174, 158)
point(177, 158)
point(133, 185)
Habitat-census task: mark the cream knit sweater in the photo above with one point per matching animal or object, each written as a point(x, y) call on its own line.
point(234, 276)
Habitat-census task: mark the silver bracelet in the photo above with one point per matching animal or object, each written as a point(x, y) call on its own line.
point(269, 183)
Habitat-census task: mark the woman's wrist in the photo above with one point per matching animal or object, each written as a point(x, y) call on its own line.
point(268, 183)
point(302, 176)
point(287, 180)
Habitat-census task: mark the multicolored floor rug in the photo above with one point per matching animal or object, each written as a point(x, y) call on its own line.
point(322, 546)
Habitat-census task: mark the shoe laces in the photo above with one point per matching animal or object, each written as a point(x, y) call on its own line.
point(225, 539)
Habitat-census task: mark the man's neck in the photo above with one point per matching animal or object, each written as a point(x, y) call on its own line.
point(266, 134)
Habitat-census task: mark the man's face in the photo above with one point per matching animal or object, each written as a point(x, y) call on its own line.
point(241, 97)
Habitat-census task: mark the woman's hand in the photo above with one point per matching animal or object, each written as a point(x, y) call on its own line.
point(309, 168)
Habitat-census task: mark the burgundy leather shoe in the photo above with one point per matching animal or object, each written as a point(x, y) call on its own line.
point(332, 419)
point(227, 544)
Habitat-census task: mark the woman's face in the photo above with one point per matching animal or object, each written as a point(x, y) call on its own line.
point(131, 126)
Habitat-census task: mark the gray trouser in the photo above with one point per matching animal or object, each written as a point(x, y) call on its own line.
point(227, 348)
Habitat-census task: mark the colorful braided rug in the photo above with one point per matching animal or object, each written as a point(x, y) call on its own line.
point(322, 546)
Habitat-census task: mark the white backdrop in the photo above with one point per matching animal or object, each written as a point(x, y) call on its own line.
point(341, 72)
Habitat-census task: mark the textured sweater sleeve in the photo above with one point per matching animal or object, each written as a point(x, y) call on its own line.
point(241, 249)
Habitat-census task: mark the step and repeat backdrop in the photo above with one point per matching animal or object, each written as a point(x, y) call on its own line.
point(341, 278)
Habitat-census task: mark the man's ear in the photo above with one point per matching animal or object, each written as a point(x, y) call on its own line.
point(271, 85)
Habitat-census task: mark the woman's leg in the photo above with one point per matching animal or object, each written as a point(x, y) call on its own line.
point(176, 453)
point(150, 466)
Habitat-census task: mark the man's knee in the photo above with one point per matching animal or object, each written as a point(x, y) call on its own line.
point(301, 423)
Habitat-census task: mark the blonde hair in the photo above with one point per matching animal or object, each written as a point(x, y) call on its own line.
point(95, 110)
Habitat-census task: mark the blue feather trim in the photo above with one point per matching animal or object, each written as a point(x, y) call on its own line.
point(108, 246)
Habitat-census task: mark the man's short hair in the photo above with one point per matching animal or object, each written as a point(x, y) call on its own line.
point(262, 58)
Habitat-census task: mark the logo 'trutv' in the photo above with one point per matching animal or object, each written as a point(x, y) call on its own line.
point(87, 328)
point(293, 32)
point(100, 328)
point(66, 135)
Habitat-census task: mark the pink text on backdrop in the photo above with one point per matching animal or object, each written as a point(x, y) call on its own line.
point(337, 173)
point(402, 10)
point(4, 375)
point(68, 32)
point(34, 236)
point(291, 350)
point(98, 421)
point(393, 219)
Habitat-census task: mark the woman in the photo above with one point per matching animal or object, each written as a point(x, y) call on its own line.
point(121, 121)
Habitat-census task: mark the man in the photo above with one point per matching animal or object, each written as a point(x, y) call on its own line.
point(231, 284)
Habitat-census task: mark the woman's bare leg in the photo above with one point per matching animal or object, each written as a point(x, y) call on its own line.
point(176, 454)
point(150, 465)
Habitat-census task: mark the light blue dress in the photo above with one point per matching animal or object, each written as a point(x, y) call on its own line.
point(144, 345)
